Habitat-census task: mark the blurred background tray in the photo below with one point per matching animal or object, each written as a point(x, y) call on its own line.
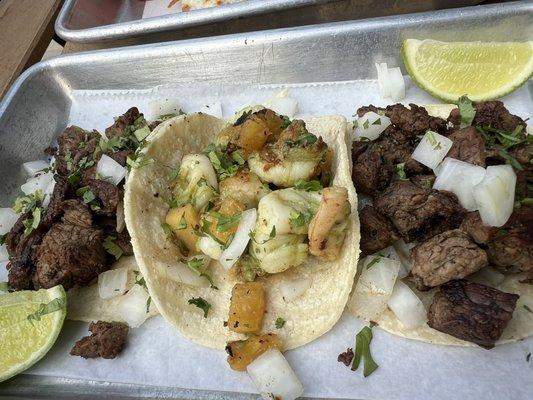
point(104, 20)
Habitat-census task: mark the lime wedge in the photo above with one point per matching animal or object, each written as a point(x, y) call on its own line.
point(483, 71)
point(30, 322)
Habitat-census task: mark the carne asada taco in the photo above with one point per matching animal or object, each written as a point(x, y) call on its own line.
point(246, 228)
point(446, 230)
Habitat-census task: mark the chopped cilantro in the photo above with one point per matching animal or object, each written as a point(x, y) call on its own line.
point(138, 160)
point(174, 173)
point(243, 117)
point(3, 239)
point(303, 140)
point(140, 280)
point(510, 159)
point(196, 265)
point(286, 121)
point(28, 202)
point(466, 110)
point(374, 261)
point(148, 302)
point(32, 223)
point(225, 165)
point(366, 124)
point(279, 323)
point(377, 122)
point(167, 229)
point(528, 201)
point(142, 133)
point(298, 219)
point(164, 117)
point(362, 352)
point(236, 156)
point(182, 224)
point(48, 308)
point(309, 186)
point(225, 222)
point(432, 140)
point(271, 236)
point(526, 307)
point(86, 194)
point(200, 303)
point(399, 169)
point(111, 247)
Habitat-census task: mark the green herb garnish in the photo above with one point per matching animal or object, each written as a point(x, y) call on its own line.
point(224, 165)
point(298, 219)
point(112, 248)
point(225, 222)
point(399, 169)
point(362, 352)
point(432, 140)
point(279, 323)
point(200, 303)
point(28, 202)
point(167, 229)
point(48, 308)
point(466, 111)
point(196, 265)
point(526, 307)
point(309, 186)
point(32, 223)
point(139, 280)
point(174, 173)
point(374, 261)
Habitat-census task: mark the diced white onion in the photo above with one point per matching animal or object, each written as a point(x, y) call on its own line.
point(8, 217)
point(284, 106)
point(180, 272)
point(460, 177)
point(293, 288)
point(370, 126)
point(383, 79)
point(407, 307)
point(4, 255)
point(495, 194)
point(112, 283)
point(121, 222)
point(39, 182)
point(431, 149)
point(396, 84)
point(488, 275)
point(214, 109)
point(198, 166)
point(48, 193)
point(274, 377)
point(110, 170)
point(374, 287)
point(132, 307)
point(404, 254)
point(32, 167)
point(210, 247)
point(242, 236)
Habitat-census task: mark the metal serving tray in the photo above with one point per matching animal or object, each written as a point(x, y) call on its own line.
point(36, 108)
point(101, 20)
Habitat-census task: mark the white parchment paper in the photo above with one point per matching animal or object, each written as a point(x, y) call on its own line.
point(156, 354)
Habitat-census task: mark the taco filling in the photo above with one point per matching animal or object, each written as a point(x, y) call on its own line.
point(446, 222)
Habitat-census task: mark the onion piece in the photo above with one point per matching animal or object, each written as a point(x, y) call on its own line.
point(8, 217)
point(374, 287)
point(383, 79)
point(4, 255)
point(407, 307)
point(48, 193)
point(294, 288)
point(396, 84)
point(214, 109)
point(460, 177)
point(210, 247)
point(133, 306)
point(40, 182)
point(495, 195)
point(32, 167)
point(242, 236)
point(284, 106)
point(431, 149)
point(110, 170)
point(180, 272)
point(112, 283)
point(371, 125)
point(274, 377)
point(404, 254)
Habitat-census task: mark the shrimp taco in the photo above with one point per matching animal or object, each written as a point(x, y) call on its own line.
point(246, 229)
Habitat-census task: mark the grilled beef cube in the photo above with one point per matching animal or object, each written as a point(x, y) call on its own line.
point(109, 196)
point(490, 114)
point(419, 213)
point(511, 249)
point(423, 181)
point(55, 207)
point(524, 155)
point(21, 267)
point(72, 251)
point(471, 311)
point(76, 149)
point(415, 120)
point(125, 120)
point(474, 226)
point(377, 231)
point(106, 341)
point(363, 110)
point(446, 256)
point(468, 146)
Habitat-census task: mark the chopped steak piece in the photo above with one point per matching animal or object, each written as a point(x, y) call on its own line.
point(468, 146)
point(472, 312)
point(15, 234)
point(418, 213)
point(363, 110)
point(125, 120)
point(120, 156)
point(446, 256)
point(21, 267)
point(346, 357)
point(106, 341)
point(474, 226)
point(511, 249)
point(423, 181)
point(109, 196)
point(358, 148)
point(76, 149)
point(490, 113)
point(376, 231)
point(55, 208)
point(524, 155)
point(71, 252)
point(415, 120)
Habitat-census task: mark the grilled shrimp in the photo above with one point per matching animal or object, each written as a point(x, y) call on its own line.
point(327, 229)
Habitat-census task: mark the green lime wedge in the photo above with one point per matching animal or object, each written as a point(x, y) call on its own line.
point(30, 322)
point(481, 70)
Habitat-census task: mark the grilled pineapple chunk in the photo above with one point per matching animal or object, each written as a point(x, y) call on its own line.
point(247, 307)
point(184, 221)
point(243, 352)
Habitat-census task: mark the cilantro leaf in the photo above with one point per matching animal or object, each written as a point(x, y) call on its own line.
point(526, 307)
point(139, 280)
point(298, 219)
point(195, 265)
point(200, 303)
point(362, 352)
point(466, 111)
point(280, 322)
point(225, 222)
point(399, 169)
point(32, 223)
point(48, 308)
point(111, 247)
point(374, 261)
point(308, 186)
point(167, 229)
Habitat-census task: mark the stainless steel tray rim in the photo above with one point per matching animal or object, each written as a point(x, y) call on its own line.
point(173, 21)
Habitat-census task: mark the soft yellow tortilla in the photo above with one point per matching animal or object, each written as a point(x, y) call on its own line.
point(307, 317)
point(520, 326)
